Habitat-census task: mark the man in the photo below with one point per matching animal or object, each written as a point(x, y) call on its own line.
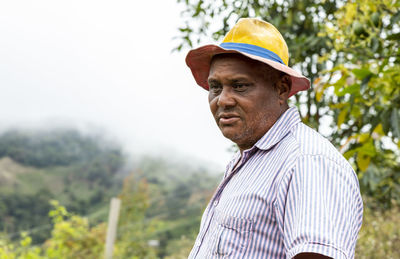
point(287, 193)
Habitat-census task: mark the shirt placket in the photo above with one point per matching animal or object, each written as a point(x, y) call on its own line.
point(215, 199)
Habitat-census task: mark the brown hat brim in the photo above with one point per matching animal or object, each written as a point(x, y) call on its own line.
point(199, 62)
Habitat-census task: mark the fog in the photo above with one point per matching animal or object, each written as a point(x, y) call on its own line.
point(105, 66)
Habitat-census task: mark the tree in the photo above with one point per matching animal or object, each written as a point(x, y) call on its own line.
point(71, 237)
point(20, 211)
point(133, 227)
point(350, 52)
point(362, 92)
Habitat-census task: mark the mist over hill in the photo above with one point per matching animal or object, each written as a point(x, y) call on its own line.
point(39, 165)
point(83, 171)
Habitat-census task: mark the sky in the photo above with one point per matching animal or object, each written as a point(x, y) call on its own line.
point(106, 66)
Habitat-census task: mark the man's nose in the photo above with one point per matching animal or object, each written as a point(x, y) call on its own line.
point(226, 98)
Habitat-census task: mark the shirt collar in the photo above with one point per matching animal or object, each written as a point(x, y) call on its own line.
point(280, 129)
point(276, 133)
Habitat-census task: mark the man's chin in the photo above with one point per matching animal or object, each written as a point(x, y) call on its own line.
point(231, 133)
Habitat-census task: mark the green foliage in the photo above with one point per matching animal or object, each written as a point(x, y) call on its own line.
point(22, 211)
point(71, 237)
point(179, 194)
point(22, 250)
point(167, 199)
point(180, 248)
point(380, 235)
point(61, 164)
point(363, 92)
point(133, 228)
point(157, 204)
point(178, 189)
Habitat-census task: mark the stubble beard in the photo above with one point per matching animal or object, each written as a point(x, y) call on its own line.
point(247, 137)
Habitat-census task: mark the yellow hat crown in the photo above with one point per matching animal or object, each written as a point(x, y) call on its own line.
point(258, 38)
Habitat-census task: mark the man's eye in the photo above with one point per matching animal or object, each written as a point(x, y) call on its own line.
point(215, 88)
point(240, 86)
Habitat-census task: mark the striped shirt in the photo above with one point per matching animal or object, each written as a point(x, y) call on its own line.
point(292, 192)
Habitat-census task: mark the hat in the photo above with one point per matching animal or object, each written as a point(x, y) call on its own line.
point(252, 38)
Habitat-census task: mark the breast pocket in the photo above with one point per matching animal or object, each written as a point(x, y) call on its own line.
point(231, 236)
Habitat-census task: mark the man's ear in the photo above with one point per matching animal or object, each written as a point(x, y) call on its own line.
point(283, 86)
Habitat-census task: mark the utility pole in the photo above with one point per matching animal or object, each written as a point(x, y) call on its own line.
point(112, 227)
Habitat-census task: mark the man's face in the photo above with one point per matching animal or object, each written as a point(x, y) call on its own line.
point(243, 99)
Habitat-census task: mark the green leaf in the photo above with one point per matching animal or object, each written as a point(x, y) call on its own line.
point(341, 117)
point(364, 82)
point(395, 122)
point(395, 18)
point(318, 94)
point(395, 36)
point(363, 161)
point(385, 119)
point(361, 73)
point(375, 44)
point(368, 148)
point(375, 122)
point(349, 153)
point(351, 101)
point(339, 84)
point(198, 8)
point(354, 88)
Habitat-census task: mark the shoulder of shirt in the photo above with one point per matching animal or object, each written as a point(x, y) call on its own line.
point(311, 143)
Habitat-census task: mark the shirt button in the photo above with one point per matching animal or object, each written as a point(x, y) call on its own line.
point(198, 243)
point(215, 203)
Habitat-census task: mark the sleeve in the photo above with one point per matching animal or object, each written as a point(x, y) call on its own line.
point(319, 208)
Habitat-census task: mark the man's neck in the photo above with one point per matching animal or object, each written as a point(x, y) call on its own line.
point(284, 108)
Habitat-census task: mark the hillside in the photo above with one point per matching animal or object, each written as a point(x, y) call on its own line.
point(10, 170)
point(38, 166)
point(162, 199)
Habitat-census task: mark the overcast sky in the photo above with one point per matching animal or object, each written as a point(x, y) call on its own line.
point(107, 64)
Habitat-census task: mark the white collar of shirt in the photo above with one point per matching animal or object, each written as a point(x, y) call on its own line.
point(280, 129)
point(274, 135)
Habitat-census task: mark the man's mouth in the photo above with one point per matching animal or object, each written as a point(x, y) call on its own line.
point(226, 118)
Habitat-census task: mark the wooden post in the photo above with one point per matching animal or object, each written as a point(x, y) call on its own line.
point(112, 227)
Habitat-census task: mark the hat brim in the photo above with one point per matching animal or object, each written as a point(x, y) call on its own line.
point(199, 62)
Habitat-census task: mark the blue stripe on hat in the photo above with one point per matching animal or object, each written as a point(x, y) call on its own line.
point(253, 50)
